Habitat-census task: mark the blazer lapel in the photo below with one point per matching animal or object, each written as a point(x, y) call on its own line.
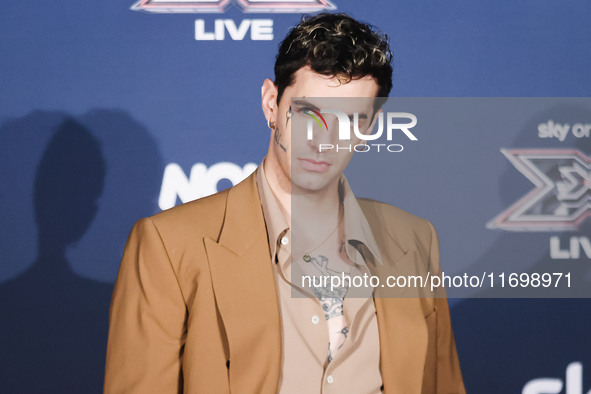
point(401, 322)
point(245, 292)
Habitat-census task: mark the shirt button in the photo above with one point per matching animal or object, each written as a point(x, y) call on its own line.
point(315, 319)
point(284, 241)
point(330, 379)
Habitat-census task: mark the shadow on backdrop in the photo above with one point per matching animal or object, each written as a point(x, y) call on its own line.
point(504, 343)
point(54, 325)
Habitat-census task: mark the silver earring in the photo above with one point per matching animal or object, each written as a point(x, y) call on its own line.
point(271, 125)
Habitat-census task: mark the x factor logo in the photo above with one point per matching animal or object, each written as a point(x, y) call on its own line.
point(219, 6)
point(561, 199)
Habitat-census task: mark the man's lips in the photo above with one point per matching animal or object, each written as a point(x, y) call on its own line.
point(313, 165)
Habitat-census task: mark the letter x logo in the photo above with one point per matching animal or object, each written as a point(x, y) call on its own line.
point(562, 197)
point(219, 6)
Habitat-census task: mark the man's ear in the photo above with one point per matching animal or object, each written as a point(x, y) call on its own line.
point(269, 100)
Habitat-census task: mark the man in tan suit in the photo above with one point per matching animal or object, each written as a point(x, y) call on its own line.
point(208, 298)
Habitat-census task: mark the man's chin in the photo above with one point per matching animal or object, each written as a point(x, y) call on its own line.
point(311, 182)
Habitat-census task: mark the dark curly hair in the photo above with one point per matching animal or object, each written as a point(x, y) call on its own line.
point(334, 45)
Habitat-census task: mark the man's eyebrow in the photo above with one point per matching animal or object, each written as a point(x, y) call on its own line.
point(305, 103)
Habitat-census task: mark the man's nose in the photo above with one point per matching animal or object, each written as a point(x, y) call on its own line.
point(327, 133)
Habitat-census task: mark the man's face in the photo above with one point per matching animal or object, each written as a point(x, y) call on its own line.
point(298, 157)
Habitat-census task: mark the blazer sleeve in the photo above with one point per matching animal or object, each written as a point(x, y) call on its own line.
point(449, 375)
point(147, 319)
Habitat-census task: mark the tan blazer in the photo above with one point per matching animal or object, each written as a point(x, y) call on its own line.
point(195, 308)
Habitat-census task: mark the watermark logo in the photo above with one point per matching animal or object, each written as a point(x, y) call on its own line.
point(345, 122)
point(359, 123)
point(561, 199)
point(314, 114)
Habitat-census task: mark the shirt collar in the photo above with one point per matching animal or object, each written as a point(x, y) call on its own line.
point(357, 228)
point(274, 219)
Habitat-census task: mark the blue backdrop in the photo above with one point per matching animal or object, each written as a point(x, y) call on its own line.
point(108, 114)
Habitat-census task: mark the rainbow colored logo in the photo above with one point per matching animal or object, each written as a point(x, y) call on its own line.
point(315, 115)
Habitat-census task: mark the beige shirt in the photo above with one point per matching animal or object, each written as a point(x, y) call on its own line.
point(355, 368)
